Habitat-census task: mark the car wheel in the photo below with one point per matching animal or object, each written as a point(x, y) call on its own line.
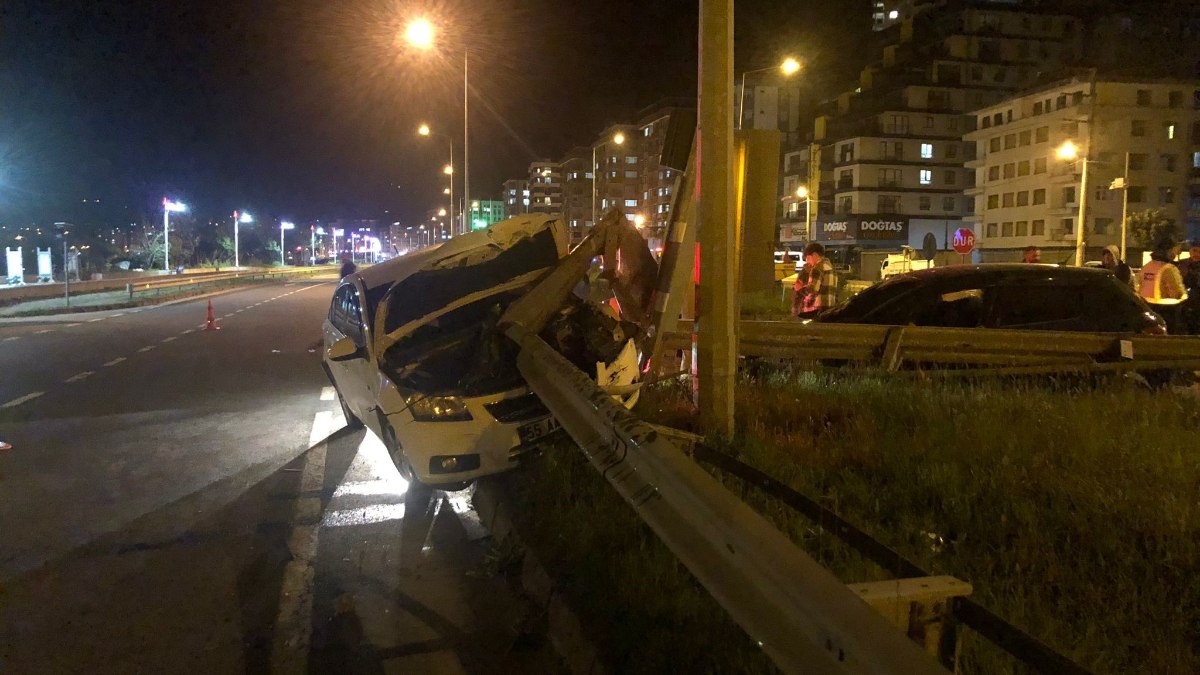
point(352, 421)
point(399, 458)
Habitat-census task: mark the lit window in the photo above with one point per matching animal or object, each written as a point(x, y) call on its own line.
point(631, 202)
point(926, 176)
point(927, 151)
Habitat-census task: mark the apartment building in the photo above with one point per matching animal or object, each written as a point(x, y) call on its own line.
point(515, 195)
point(1141, 143)
point(545, 187)
point(616, 172)
point(577, 192)
point(889, 153)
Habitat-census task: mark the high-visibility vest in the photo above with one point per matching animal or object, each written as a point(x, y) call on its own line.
point(1150, 280)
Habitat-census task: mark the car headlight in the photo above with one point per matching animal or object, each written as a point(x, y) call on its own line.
point(438, 409)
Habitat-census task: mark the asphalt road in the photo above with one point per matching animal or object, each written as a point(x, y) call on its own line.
point(181, 500)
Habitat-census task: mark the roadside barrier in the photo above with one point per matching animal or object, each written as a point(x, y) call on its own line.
point(802, 616)
point(972, 351)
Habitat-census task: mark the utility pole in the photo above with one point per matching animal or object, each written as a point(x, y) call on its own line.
point(717, 310)
point(1080, 240)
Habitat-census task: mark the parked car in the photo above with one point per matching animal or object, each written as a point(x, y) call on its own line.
point(412, 347)
point(1003, 295)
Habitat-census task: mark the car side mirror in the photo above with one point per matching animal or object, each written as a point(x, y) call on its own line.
point(344, 350)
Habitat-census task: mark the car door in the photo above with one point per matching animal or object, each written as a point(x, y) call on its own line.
point(1039, 305)
point(355, 378)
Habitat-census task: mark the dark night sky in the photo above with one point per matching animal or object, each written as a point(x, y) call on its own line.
point(307, 109)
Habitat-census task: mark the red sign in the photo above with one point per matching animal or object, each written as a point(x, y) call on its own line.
point(964, 240)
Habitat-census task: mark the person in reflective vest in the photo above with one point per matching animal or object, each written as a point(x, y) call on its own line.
point(1160, 280)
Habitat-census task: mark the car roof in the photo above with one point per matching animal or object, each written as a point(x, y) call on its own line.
point(992, 272)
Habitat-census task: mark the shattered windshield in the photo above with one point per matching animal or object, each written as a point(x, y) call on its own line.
point(460, 352)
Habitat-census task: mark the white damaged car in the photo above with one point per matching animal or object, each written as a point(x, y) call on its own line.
point(412, 347)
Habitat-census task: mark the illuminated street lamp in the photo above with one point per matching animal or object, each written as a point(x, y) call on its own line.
point(284, 226)
point(420, 33)
point(639, 220)
point(168, 207)
point(238, 218)
point(619, 139)
point(1069, 152)
point(802, 193)
point(424, 130)
point(789, 67)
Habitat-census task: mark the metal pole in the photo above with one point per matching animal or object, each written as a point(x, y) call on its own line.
point(1080, 242)
point(282, 263)
point(237, 259)
point(166, 244)
point(741, 103)
point(66, 274)
point(451, 139)
point(717, 311)
point(1125, 207)
point(808, 218)
point(595, 176)
point(466, 211)
point(312, 244)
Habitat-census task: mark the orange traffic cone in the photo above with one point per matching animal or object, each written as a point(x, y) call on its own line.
point(210, 325)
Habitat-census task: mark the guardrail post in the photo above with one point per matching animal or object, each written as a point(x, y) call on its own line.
point(921, 607)
point(129, 290)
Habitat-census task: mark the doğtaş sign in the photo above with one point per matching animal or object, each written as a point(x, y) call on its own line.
point(837, 229)
point(883, 228)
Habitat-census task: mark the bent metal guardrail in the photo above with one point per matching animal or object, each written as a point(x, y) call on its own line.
point(802, 616)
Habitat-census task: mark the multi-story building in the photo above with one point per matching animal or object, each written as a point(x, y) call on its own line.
point(891, 153)
point(657, 179)
point(516, 196)
point(486, 212)
point(1026, 193)
point(616, 171)
point(577, 192)
point(545, 187)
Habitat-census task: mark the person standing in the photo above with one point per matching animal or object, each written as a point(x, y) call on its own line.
point(348, 267)
point(1032, 254)
point(1110, 259)
point(816, 284)
point(1161, 285)
point(1189, 270)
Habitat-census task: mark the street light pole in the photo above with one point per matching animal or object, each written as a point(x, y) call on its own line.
point(468, 212)
point(1125, 206)
point(168, 207)
point(789, 66)
point(283, 227)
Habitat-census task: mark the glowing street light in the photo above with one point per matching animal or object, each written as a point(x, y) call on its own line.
point(639, 220)
point(168, 207)
point(802, 193)
point(1069, 152)
point(421, 33)
point(284, 226)
point(789, 67)
point(424, 130)
point(238, 219)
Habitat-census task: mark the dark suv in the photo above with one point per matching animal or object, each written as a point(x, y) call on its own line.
point(1003, 295)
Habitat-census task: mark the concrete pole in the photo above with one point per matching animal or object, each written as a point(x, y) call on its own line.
point(717, 312)
point(1125, 207)
point(466, 209)
point(1080, 243)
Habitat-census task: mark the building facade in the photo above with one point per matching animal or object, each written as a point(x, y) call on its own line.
point(1141, 143)
point(888, 157)
point(577, 192)
point(545, 187)
point(515, 195)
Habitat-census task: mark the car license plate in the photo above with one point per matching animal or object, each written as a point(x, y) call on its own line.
point(539, 429)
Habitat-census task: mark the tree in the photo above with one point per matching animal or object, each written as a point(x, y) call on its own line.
point(1152, 228)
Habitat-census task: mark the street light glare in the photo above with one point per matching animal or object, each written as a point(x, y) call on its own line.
point(423, 130)
point(448, 170)
point(419, 33)
point(790, 66)
point(1067, 151)
point(801, 192)
point(441, 212)
point(619, 138)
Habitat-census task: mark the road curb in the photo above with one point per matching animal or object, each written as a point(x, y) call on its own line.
point(491, 501)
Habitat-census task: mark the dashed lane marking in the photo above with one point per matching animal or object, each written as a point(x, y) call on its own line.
point(99, 318)
point(146, 348)
point(190, 330)
point(10, 339)
point(81, 376)
point(43, 331)
point(24, 399)
point(72, 325)
point(114, 361)
point(170, 337)
point(117, 314)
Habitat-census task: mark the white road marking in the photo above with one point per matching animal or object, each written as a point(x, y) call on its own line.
point(169, 338)
point(10, 339)
point(117, 314)
point(114, 361)
point(190, 330)
point(146, 349)
point(18, 401)
point(95, 320)
point(43, 331)
point(72, 325)
point(81, 376)
point(293, 625)
point(328, 393)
